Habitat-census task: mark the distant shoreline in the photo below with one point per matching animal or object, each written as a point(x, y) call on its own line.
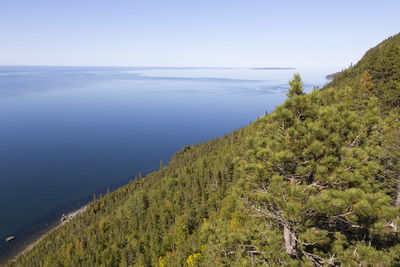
point(27, 239)
point(68, 217)
point(33, 233)
point(330, 77)
point(272, 68)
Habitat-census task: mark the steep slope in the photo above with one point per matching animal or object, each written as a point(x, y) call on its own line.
point(377, 72)
point(318, 179)
point(152, 220)
point(313, 183)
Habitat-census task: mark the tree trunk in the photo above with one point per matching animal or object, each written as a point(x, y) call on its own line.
point(290, 241)
point(398, 192)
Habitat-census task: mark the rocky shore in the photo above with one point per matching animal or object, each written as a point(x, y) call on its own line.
point(65, 218)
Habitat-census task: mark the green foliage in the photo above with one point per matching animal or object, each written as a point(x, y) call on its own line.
point(314, 183)
point(382, 63)
point(320, 177)
point(296, 86)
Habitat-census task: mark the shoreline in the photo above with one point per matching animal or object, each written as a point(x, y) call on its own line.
point(34, 232)
point(31, 233)
point(67, 218)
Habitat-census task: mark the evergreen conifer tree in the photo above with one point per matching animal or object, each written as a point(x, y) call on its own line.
point(296, 86)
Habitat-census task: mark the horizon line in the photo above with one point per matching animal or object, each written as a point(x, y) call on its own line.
point(148, 66)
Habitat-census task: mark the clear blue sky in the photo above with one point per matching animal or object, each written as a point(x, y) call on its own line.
point(242, 33)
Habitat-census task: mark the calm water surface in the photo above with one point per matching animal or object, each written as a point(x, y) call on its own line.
point(66, 132)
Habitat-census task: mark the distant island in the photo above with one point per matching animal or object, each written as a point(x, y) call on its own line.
point(330, 77)
point(272, 68)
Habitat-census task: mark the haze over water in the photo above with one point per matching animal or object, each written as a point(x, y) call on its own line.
point(66, 132)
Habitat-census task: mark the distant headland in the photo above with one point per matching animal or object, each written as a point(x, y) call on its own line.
point(272, 68)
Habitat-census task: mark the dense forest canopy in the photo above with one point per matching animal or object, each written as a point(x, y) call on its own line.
point(314, 183)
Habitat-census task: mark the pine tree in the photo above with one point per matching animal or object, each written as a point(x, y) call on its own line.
point(296, 86)
point(316, 170)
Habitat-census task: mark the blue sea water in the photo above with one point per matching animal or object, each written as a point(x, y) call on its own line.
point(66, 132)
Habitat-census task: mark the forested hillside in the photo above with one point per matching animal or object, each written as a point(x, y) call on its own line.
point(314, 183)
point(377, 74)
